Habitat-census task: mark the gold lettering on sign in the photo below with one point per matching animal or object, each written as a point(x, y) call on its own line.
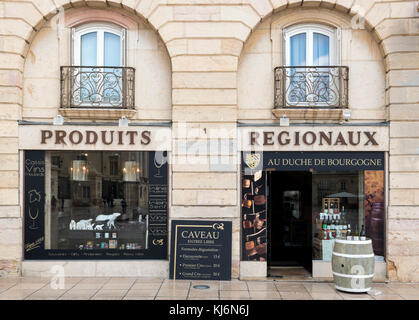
point(286, 141)
point(297, 162)
point(34, 245)
point(90, 137)
point(45, 134)
point(214, 235)
point(320, 138)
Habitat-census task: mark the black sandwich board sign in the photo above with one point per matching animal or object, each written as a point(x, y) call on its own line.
point(200, 250)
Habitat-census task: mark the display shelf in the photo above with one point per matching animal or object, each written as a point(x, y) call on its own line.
point(91, 234)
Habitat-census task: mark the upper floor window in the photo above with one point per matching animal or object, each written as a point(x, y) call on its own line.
point(311, 45)
point(98, 77)
point(311, 75)
point(99, 44)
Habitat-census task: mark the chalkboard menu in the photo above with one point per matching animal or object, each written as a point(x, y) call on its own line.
point(34, 202)
point(200, 250)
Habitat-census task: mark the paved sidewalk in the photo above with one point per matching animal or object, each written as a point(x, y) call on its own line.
point(164, 289)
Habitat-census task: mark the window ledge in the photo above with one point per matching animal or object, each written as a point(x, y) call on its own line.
point(308, 114)
point(96, 113)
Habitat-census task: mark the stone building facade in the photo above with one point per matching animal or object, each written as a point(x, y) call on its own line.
point(206, 67)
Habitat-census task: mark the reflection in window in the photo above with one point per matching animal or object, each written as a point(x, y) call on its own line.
point(98, 200)
point(347, 203)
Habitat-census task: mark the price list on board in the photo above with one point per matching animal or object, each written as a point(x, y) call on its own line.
point(200, 250)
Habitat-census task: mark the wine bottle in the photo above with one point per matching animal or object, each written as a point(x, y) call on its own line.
point(362, 234)
point(343, 215)
point(344, 230)
point(323, 234)
point(338, 230)
point(348, 233)
point(356, 234)
point(333, 227)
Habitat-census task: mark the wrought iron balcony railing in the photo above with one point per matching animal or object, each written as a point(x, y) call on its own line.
point(311, 87)
point(97, 87)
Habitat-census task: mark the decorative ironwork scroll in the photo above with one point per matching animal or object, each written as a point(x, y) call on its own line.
point(97, 87)
point(309, 86)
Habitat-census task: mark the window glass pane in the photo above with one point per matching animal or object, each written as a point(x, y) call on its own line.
point(112, 86)
point(99, 200)
point(345, 201)
point(89, 49)
point(298, 50)
point(112, 50)
point(320, 49)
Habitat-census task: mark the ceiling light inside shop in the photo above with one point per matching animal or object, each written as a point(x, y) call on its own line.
point(131, 171)
point(79, 170)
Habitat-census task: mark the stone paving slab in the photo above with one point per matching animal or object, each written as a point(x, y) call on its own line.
point(165, 289)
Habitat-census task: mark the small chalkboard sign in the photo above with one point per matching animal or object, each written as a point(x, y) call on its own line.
point(200, 250)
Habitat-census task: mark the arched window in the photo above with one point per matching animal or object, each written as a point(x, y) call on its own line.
point(99, 44)
point(311, 45)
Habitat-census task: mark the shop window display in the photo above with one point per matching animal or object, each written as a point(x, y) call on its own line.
point(354, 213)
point(295, 204)
point(100, 204)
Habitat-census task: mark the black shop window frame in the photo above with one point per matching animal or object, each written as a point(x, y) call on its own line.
point(34, 216)
point(254, 166)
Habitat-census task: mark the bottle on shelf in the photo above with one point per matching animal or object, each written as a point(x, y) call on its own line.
point(348, 233)
point(356, 234)
point(325, 235)
point(344, 229)
point(362, 235)
point(338, 230)
point(327, 229)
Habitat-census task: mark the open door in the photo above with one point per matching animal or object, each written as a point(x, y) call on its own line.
point(289, 220)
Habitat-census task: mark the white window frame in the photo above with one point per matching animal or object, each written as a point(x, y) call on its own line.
point(100, 28)
point(309, 29)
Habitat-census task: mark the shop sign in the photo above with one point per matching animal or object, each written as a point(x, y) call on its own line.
point(94, 138)
point(349, 138)
point(309, 161)
point(200, 250)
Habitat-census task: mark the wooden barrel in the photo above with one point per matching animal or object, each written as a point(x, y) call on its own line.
point(353, 265)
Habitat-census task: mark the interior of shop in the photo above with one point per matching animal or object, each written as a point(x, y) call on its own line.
point(98, 200)
point(308, 210)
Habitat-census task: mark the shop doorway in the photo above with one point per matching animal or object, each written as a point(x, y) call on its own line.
point(289, 223)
